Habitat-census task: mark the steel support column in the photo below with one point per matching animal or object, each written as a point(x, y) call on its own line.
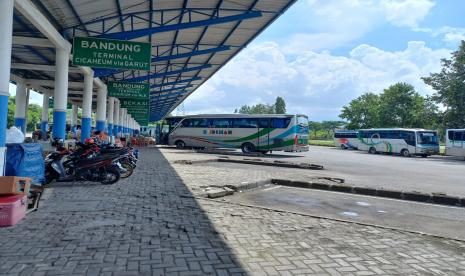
point(86, 119)
point(111, 109)
point(21, 105)
point(44, 122)
point(6, 30)
point(101, 109)
point(121, 120)
point(74, 118)
point(116, 118)
point(60, 94)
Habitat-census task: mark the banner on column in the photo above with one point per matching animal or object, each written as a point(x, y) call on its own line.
point(111, 53)
point(131, 90)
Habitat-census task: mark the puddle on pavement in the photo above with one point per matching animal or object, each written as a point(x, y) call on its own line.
point(349, 214)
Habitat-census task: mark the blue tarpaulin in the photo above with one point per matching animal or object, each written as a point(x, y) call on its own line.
point(25, 160)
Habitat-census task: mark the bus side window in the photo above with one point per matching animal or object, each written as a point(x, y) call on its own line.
point(203, 123)
point(221, 123)
point(186, 123)
point(244, 123)
point(263, 123)
point(280, 122)
point(450, 135)
point(458, 136)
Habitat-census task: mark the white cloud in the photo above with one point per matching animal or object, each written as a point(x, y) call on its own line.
point(314, 83)
point(333, 23)
point(406, 13)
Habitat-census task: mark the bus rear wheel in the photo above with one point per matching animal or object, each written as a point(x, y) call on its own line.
point(372, 150)
point(405, 153)
point(180, 144)
point(248, 148)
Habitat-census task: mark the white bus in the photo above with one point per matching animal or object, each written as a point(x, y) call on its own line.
point(403, 141)
point(346, 139)
point(261, 133)
point(455, 142)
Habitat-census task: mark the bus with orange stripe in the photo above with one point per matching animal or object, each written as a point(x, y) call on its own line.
point(251, 133)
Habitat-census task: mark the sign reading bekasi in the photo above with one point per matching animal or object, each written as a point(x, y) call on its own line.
point(138, 108)
point(110, 53)
point(130, 90)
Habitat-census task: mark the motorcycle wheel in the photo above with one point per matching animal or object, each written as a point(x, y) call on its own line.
point(50, 176)
point(111, 175)
point(129, 170)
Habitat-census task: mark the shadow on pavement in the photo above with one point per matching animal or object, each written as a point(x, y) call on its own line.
point(147, 224)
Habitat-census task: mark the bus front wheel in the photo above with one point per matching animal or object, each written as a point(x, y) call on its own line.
point(180, 144)
point(248, 148)
point(405, 153)
point(372, 150)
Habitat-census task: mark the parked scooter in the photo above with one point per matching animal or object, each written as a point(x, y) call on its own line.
point(127, 162)
point(63, 166)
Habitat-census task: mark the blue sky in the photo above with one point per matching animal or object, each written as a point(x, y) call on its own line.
point(322, 53)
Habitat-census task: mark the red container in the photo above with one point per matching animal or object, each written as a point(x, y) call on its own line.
point(12, 209)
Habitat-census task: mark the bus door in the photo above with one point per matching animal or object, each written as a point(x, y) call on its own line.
point(263, 126)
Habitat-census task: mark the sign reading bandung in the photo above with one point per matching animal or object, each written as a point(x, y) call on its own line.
point(110, 53)
point(130, 90)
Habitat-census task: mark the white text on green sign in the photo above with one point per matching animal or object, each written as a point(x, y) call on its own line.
point(110, 53)
point(130, 90)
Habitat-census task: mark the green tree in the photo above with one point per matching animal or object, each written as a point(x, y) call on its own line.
point(280, 106)
point(398, 106)
point(450, 88)
point(330, 126)
point(401, 106)
point(314, 128)
point(362, 112)
point(245, 109)
point(257, 109)
point(11, 111)
point(34, 116)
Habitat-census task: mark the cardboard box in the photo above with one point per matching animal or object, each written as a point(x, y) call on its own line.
point(14, 185)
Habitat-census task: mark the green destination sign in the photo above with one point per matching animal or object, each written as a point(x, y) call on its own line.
point(138, 108)
point(110, 53)
point(132, 90)
point(135, 104)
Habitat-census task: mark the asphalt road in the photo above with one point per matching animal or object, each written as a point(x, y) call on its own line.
point(433, 219)
point(435, 174)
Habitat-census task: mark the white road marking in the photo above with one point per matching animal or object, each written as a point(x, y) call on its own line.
point(272, 188)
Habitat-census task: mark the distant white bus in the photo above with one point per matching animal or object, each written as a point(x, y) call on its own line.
point(346, 139)
point(251, 133)
point(455, 142)
point(403, 141)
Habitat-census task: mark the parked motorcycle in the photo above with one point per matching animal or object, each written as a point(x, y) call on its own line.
point(64, 166)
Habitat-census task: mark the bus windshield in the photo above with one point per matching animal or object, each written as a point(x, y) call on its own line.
point(302, 120)
point(427, 138)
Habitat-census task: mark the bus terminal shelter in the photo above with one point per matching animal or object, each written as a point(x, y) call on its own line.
point(130, 61)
